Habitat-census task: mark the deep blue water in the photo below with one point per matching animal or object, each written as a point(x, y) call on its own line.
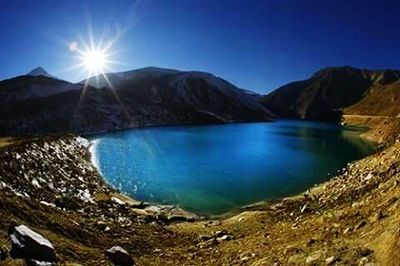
point(214, 169)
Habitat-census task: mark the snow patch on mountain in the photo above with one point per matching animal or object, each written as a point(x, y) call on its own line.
point(39, 71)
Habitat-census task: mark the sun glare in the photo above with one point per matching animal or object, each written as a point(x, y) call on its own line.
point(92, 59)
point(95, 61)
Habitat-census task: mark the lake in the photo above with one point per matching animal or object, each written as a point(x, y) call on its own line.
point(214, 169)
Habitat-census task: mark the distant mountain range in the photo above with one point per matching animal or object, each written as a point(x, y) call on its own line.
point(38, 103)
point(334, 91)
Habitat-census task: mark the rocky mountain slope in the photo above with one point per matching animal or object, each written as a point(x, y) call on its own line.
point(36, 105)
point(333, 91)
point(380, 100)
point(31, 88)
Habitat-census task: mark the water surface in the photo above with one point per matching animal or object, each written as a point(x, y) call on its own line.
point(214, 169)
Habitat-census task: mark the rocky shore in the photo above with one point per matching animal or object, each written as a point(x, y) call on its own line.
point(51, 183)
point(49, 187)
point(353, 219)
point(384, 130)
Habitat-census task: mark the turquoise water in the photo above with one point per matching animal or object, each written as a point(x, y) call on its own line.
point(214, 169)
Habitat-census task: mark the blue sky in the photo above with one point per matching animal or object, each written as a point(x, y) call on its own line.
point(257, 45)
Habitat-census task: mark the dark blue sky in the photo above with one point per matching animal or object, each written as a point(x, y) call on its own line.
point(258, 45)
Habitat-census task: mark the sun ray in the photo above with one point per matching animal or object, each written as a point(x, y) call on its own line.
point(124, 109)
point(78, 106)
point(95, 59)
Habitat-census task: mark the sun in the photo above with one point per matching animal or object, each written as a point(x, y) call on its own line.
point(95, 61)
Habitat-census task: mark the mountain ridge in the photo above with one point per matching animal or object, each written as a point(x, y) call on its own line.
point(138, 98)
point(326, 94)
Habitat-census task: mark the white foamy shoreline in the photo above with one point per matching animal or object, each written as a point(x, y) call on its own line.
point(93, 155)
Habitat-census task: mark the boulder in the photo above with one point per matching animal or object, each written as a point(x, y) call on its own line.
point(119, 256)
point(27, 244)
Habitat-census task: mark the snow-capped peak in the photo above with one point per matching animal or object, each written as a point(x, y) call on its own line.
point(39, 71)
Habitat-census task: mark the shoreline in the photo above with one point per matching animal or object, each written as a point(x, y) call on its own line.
point(106, 131)
point(174, 212)
point(358, 131)
point(92, 153)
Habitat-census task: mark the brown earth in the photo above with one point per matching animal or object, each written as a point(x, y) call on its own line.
point(353, 219)
point(380, 100)
point(383, 129)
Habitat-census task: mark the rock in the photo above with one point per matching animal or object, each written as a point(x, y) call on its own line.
point(39, 263)
point(377, 216)
point(304, 208)
point(310, 242)
point(364, 261)
point(291, 249)
point(208, 243)
point(101, 225)
point(223, 235)
point(347, 230)
point(313, 257)
point(361, 224)
point(245, 256)
point(365, 252)
point(119, 256)
point(157, 250)
point(225, 238)
point(218, 236)
point(153, 209)
point(118, 201)
point(331, 260)
point(220, 233)
point(368, 177)
point(27, 244)
point(205, 237)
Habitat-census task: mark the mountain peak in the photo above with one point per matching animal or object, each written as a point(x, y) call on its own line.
point(39, 71)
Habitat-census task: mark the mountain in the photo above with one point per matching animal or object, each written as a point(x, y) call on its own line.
point(143, 97)
point(30, 87)
point(381, 100)
point(39, 71)
point(332, 91)
point(199, 92)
